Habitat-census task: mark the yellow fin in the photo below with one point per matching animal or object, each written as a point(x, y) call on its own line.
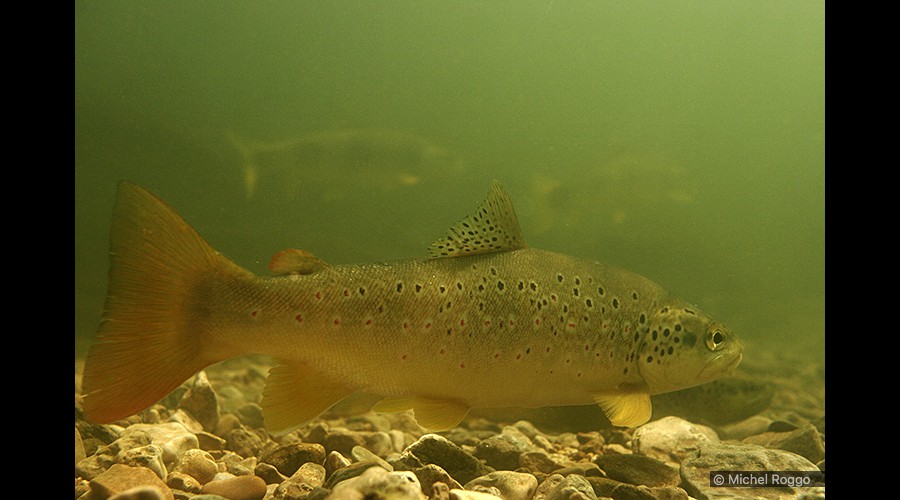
point(293, 261)
point(152, 336)
point(626, 409)
point(494, 227)
point(432, 414)
point(295, 394)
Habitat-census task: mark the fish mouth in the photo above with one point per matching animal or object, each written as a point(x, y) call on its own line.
point(720, 365)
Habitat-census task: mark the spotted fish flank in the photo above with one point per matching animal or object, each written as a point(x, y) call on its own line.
point(485, 322)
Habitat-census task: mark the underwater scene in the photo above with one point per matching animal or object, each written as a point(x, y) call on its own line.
point(469, 250)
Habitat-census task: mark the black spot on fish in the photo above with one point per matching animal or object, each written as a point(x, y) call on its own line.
point(362, 291)
point(636, 336)
point(634, 295)
point(418, 288)
point(588, 302)
point(458, 285)
point(521, 285)
point(670, 350)
point(689, 311)
point(600, 291)
point(575, 292)
point(654, 334)
point(664, 310)
point(442, 288)
point(559, 277)
point(577, 280)
point(399, 287)
point(666, 332)
point(494, 271)
point(649, 359)
point(677, 327)
point(676, 340)
point(642, 318)
point(533, 286)
point(615, 303)
point(500, 285)
point(690, 339)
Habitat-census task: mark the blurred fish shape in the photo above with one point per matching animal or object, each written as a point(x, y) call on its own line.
point(326, 163)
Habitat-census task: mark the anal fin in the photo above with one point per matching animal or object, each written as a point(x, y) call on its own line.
point(295, 394)
point(627, 408)
point(432, 414)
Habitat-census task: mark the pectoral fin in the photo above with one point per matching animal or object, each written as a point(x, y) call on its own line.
point(432, 414)
point(295, 394)
point(630, 408)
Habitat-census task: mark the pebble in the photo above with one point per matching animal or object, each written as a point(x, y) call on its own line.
point(335, 461)
point(432, 474)
point(435, 449)
point(547, 486)
point(503, 450)
point(756, 424)
point(288, 458)
point(244, 442)
point(376, 482)
point(351, 471)
point(198, 464)
point(119, 478)
point(805, 441)
point(511, 485)
point(670, 439)
point(638, 469)
point(696, 467)
point(307, 478)
point(173, 437)
point(538, 461)
point(572, 487)
point(269, 473)
point(140, 493)
point(149, 456)
point(201, 402)
point(181, 481)
point(79, 447)
point(106, 456)
point(236, 488)
point(250, 415)
point(227, 422)
point(471, 495)
point(209, 441)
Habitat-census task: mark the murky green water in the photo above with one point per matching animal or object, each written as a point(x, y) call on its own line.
point(683, 140)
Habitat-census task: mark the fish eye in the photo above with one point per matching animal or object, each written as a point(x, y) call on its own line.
point(715, 339)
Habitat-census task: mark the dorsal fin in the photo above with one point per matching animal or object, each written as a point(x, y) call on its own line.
point(293, 261)
point(494, 227)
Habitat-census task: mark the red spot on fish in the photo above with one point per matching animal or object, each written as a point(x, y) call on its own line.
point(427, 325)
point(537, 321)
point(572, 325)
point(487, 322)
point(346, 293)
point(443, 351)
point(368, 321)
point(512, 322)
point(318, 295)
point(553, 297)
point(627, 328)
point(254, 313)
point(496, 355)
point(299, 318)
point(518, 356)
point(337, 321)
point(462, 365)
point(405, 325)
point(462, 322)
point(579, 375)
point(403, 357)
point(587, 347)
point(548, 349)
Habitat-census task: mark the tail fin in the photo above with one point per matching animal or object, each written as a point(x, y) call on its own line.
point(148, 342)
point(251, 172)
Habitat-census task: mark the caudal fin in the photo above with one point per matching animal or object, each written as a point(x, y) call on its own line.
point(149, 341)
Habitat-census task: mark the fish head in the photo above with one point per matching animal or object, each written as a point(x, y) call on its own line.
point(684, 348)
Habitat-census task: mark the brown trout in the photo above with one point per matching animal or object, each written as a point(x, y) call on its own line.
point(485, 321)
